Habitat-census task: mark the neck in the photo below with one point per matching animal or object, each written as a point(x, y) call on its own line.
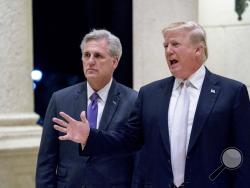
point(98, 85)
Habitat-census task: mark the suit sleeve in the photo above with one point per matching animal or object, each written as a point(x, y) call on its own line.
point(48, 152)
point(241, 136)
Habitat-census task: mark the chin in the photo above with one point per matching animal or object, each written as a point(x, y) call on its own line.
point(179, 76)
point(175, 73)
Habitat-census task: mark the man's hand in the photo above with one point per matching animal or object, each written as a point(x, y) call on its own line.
point(76, 131)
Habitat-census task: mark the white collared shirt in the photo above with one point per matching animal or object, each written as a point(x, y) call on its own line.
point(196, 81)
point(103, 95)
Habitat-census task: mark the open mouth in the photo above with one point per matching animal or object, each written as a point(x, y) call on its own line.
point(173, 61)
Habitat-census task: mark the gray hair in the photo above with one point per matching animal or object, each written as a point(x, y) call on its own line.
point(197, 33)
point(114, 44)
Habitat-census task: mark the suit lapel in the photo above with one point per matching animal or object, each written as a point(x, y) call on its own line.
point(164, 97)
point(111, 105)
point(207, 99)
point(80, 101)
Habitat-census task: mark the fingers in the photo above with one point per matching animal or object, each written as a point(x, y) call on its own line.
point(61, 129)
point(83, 117)
point(60, 122)
point(75, 130)
point(67, 117)
point(65, 137)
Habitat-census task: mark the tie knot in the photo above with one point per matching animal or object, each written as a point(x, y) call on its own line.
point(94, 97)
point(185, 83)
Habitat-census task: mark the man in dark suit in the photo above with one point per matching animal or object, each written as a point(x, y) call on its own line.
point(59, 164)
point(186, 123)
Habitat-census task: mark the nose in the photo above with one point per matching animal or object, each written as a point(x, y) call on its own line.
point(91, 60)
point(168, 50)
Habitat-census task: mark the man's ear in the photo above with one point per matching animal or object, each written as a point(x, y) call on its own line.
point(115, 62)
point(199, 49)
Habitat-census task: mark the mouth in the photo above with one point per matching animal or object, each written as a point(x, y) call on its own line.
point(173, 61)
point(90, 70)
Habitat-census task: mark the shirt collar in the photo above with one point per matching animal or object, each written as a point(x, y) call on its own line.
point(102, 93)
point(195, 80)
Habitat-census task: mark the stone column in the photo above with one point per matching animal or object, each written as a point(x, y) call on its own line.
point(228, 39)
point(149, 18)
point(19, 136)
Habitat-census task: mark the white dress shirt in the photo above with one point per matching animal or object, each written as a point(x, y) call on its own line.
point(196, 81)
point(103, 95)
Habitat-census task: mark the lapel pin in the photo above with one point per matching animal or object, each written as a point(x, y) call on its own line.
point(212, 91)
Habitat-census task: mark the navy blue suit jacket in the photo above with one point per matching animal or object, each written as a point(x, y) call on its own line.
point(222, 120)
point(59, 164)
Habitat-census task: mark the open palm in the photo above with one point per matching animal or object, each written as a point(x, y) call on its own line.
point(76, 131)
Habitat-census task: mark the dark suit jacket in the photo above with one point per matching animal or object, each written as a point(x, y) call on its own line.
point(59, 164)
point(222, 120)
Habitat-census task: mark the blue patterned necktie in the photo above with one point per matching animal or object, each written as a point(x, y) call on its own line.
point(92, 110)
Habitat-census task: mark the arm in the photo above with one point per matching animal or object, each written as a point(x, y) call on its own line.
point(241, 135)
point(124, 139)
point(47, 157)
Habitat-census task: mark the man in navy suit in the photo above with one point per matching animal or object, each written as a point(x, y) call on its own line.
point(185, 123)
point(59, 164)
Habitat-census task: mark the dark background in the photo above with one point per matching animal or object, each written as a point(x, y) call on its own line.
point(58, 29)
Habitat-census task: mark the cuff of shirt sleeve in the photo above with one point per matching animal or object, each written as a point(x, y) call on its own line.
point(83, 146)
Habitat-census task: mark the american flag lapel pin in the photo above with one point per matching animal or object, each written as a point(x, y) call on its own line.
point(212, 90)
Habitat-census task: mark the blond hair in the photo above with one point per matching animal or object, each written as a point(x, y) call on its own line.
point(197, 33)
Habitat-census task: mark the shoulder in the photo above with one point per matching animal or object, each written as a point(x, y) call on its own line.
point(71, 90)
point(225, 82)
point(125, 91)
point(228, 87)
point(159, 84)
